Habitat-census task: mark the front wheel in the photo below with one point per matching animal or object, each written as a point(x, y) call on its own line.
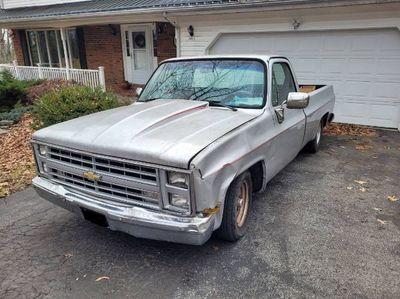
point(236, 208)
point(313, 146)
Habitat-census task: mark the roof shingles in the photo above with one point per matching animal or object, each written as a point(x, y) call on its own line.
point(104, 6)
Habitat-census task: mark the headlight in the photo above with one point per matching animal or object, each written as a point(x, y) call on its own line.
point(42, 149)
point(178, 201)
point(178, 179)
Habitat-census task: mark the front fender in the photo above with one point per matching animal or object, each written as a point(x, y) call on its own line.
point(222, 161)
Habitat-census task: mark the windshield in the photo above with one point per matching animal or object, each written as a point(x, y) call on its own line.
point(235, 83)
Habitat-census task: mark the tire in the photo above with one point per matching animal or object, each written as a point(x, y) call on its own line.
point(235, 216)
point(313, 146)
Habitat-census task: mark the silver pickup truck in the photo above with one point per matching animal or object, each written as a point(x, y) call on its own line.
point(185, 159)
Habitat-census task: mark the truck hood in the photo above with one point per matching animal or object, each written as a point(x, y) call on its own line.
point(165, 132)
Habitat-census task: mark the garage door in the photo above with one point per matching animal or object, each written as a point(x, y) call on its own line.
point(362, 65)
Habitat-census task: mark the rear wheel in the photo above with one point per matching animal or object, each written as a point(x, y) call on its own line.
point(313, 146)
point(236, 208)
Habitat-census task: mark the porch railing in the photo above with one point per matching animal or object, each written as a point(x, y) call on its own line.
point(91, 78)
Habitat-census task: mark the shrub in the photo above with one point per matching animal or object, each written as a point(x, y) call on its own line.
point(70, 102)
point(13, 90)
point(15, 114)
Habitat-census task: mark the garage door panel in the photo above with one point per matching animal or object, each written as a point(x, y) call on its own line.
point(280, 44)
point(362, 44)
point(390, 67)
point(307, 65)
point(332, 65)
point(362, 65)
point(356, 88)
point(356, 113)
point(386, 90)
point(335, 44)
point(389, 42)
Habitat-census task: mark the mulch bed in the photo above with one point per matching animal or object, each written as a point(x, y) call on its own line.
point(17, 166)
point(36, 91)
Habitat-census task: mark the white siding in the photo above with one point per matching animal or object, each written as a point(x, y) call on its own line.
point(209, 30)
point(27, 3)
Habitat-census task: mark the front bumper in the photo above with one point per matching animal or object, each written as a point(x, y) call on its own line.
point(136, 221)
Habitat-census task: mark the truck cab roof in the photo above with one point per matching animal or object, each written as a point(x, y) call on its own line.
point(264, 58)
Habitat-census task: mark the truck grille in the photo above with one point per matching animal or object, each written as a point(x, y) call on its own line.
point(105, 165)
point(121, 181)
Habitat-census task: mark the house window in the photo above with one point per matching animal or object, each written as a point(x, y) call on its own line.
point(46, 48)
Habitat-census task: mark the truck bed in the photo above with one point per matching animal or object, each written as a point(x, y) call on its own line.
point(322, 101)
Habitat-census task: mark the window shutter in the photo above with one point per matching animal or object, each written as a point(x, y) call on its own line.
point(81, 46)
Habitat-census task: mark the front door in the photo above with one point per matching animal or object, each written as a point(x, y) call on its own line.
point(138, 53)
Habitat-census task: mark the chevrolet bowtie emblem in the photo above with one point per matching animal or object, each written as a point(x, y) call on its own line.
point(92, 176)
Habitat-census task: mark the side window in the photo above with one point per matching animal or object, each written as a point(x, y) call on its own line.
point(282, 83)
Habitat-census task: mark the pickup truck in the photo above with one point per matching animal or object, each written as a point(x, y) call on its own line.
point(184, 160)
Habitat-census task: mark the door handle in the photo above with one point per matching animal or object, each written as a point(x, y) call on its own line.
point(280, 114)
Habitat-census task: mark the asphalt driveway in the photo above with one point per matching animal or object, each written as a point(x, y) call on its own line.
point(315, 232)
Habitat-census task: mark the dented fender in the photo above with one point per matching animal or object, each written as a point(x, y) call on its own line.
point(225, 159)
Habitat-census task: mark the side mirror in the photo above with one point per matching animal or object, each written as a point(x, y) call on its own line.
point(139, 91)
point(297, 100)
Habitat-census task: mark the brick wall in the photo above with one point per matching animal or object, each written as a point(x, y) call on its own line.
point(19, 55)
point(103, 48)
point(164, 45)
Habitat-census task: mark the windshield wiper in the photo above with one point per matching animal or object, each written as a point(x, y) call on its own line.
point(151, 99)
point(219, 104)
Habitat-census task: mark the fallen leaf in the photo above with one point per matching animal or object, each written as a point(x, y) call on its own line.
point(381, 221)
point(103, 278)
point(362, 189)
point(338, 129)
point(360, 182)
point(393, 198)
point(17, 166)
point(363, 147)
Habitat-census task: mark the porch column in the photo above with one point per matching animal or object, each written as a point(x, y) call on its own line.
point(64, 43)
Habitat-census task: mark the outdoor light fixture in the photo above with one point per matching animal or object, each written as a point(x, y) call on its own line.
point(190, 30)
point(297, 23)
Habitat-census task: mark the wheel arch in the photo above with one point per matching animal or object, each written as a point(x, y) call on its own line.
point(258, 176)
point(325, 119)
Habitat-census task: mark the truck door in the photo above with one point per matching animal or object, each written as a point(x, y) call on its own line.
point(289, 124)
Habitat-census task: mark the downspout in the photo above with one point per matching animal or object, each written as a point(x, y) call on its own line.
point(177, 33)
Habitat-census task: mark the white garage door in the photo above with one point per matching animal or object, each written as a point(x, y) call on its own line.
point(362, 65)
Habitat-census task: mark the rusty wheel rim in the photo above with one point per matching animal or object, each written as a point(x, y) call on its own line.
point(242, 204)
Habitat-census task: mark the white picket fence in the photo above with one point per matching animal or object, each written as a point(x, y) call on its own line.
point(91, 78)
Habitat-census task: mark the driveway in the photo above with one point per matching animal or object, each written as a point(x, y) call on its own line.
point(314, 232)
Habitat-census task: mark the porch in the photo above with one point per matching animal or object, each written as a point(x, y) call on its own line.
point(127, 53)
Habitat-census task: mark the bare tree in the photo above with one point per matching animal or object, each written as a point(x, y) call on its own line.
point(7, 54)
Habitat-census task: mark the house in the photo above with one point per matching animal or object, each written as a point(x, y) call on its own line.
point(354, 45)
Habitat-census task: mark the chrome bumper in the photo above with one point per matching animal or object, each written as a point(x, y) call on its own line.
point(136, 221)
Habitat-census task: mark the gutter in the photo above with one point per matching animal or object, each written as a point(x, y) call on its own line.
point(248, 6)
